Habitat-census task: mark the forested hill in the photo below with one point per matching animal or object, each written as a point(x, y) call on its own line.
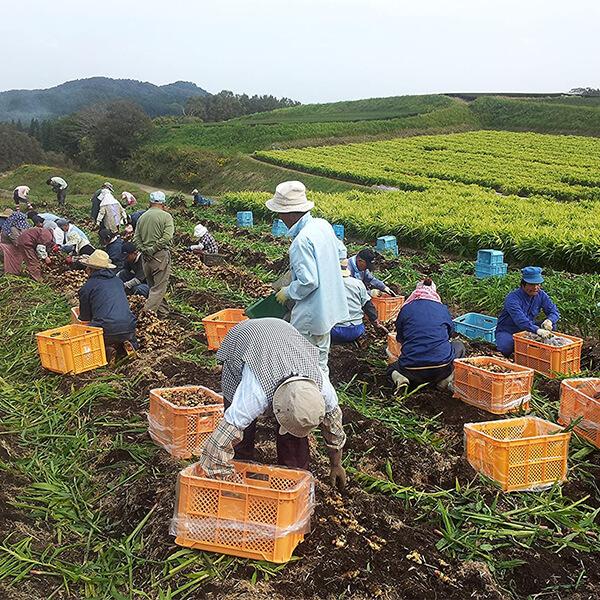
point(72, 96)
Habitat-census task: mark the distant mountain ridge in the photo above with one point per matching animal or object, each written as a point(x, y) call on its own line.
point(72, 96)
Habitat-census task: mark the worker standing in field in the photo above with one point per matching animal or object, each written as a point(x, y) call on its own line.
point(21, 195)
point(424, 328)
point(111, 214)
point(359, 303)
point(132, 274)
point(360, 268)
point(521, 309)
point(268, 367)
point(316, 289)
point(102, 302)
point(95, 200)
point(153, 237)
point(59, 187)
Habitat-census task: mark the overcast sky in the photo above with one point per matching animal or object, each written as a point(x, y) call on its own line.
point(309, 50)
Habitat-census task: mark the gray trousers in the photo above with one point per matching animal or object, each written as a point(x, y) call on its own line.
point(157, 270)
point(322, 343)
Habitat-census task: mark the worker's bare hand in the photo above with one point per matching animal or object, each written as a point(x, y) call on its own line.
point(337, 477)
point(48, 260)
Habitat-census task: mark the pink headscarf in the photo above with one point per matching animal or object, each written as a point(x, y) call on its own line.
point(424, 292)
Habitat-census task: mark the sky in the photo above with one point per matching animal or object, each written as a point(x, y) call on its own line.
point(308, 50)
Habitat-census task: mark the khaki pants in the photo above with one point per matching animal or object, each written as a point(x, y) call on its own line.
point(322, 343)
point(157, 270)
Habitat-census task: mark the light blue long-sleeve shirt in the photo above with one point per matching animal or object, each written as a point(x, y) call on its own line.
point(370, 281)
point(317, 286)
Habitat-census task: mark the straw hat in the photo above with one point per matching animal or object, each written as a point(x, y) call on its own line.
point(299, 406)
point(6, 213)
point(290, 196)
point(98, 259)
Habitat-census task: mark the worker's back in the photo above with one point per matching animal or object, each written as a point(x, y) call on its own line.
point(151, 227)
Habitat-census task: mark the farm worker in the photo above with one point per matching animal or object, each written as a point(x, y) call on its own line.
point(95, 200)
point(135, 217)
point(206, 242)
point(360, 268)
point(21, 194)
point(13, 226)
point(359, 302)
point(128, 198)
point(132, 274)
point(4, 215)
point(113, 246)
point(102, 302)
point(200, 200)
point(75, 241)
point(59, 187)
point(57, 232)
point(316, 289)
point(111, 214)
point(424, 327)
point(521, 308)
point(269, 368)
point(153, 237)
point(32, 243)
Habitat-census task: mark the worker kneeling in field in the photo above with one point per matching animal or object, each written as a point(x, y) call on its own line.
point(521, 309)
point(424, 327)
point(102, 302)
point(359, 267)
point(359, 302)
point(132, 274)
point(270, 368)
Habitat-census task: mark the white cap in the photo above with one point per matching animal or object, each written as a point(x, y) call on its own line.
point(158, 197)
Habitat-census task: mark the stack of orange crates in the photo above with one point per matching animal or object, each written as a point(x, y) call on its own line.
point(546, 359)
point(581, 398)
point(182, 430)
point(497, 393)
point(521, 454)
point(218, 325)
point(263, 516)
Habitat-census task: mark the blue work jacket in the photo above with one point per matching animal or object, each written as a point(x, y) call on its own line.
point(424, 327)
point(521, 310)
point(103, 302)
point(370, 281)
point(317, 286)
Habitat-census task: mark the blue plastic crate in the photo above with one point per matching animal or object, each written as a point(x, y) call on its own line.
point(339, 231)
point(245, 218)
point(387, 243)
point(482, 271)
point(490, 257)
point(477, 327)
point(278, 228)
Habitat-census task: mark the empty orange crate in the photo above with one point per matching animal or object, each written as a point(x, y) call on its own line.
point(549, 360)
point(520, 454)
point(497, 393)
point(581, 398)
point(71, 349)
point(182, 430)
point(264, 517)
point(393, 348)
point(217, 325)
point(387, 306)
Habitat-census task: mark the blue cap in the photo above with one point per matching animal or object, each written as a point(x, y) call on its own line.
point(532, 275)
point(158, 197)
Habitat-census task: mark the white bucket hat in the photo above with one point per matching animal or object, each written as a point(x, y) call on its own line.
point(98, 259)
point(298, 406)
point(290, 196)
point(200, 231)
point(108, 185)
point(194, 191)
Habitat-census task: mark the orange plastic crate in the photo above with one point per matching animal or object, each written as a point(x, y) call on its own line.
point(71, 349)
point(182, 430)
point(264, 517)
point(520, 454)
point(394, 348)
point(577, 400)
point(549, 360)
point(218, 324)
point(387, 306)
point(497, 393)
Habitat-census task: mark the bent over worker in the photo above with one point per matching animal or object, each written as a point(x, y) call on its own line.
point(424, 328)
point(25, 249)
point(360, 268)
point(521, 309)
point(316, 288)
point(270, 368)
point(153, 237)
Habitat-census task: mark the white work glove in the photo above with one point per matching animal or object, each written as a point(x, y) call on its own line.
point(388, 291)
point(399, 380)
point(544, 333)
point(281, 296)
point(196, 247)
point(131, 283)
point(374, 293)
point(547, 324)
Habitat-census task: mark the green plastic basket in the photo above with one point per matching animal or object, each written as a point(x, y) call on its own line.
point(266, 307)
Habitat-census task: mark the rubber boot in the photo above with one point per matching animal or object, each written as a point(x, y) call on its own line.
point(446, 384)
point(399, 380)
